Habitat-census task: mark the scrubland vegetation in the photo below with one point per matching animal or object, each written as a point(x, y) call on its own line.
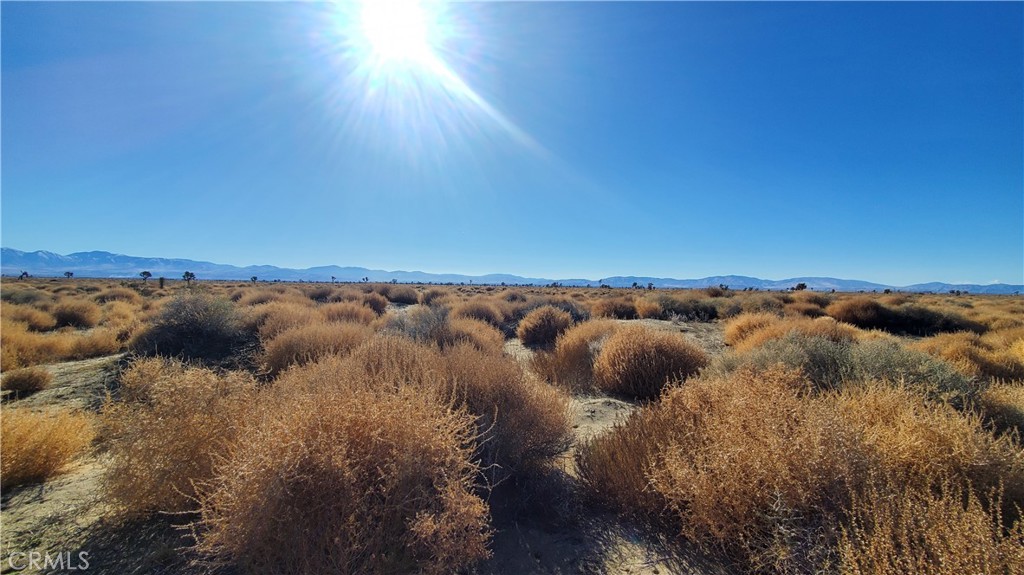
point(340, 428)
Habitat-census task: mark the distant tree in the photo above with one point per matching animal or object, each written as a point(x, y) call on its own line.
point(887, 290)
point(253, 280)
point(800, 287)
point(635, 285)
point(188, 277)
point(333, 279)
point(394, 281)
point(365, 279)
point(650, 285)
point(145, 275)
point(24, 275)
point(723, 287)
point(69, 275)
point(162, 280)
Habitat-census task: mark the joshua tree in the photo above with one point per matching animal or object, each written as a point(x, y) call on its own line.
point(188, 277)
point(24, 275)
point(145, 275)
point(69, 275)
point(800, 287)
point(333, 279)
point(253, 280)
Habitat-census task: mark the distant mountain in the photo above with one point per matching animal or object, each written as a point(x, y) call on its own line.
point(108, 265)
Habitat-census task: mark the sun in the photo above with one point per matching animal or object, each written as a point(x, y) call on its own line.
point(398, 31)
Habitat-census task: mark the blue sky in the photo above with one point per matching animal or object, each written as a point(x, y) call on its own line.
point(878, 141)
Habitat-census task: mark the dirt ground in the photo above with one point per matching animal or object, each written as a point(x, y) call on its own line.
point(550, 530)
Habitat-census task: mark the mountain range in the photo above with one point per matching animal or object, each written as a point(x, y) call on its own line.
point(108, 265)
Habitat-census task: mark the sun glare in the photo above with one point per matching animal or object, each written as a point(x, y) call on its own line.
point(402, 93)
point(398, 30)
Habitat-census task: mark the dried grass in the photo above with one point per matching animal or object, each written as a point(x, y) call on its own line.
point(542, 326)
point(39, 445)
point(308, 343)
point(397, 470)
point(166, 431)
point(571, 364)
point(26, 380)
point(639, 362)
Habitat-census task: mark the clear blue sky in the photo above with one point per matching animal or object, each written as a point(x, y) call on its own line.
point(878, 141)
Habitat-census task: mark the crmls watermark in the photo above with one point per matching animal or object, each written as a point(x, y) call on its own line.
point(62, 561)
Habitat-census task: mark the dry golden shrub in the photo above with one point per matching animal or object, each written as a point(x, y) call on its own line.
point(571, 364)
point(523, 421)
point(118, 294)
point(400, 294)
point(920, 443)
point(648, 308)
point(542, 326)
point(121, 317)
point(430, 295)
point(973, 355)
point(260, 296)
point(480, 334)
point(480, 309)
point(807, 309)
point(749, 464)
point(376, 302)
point(911, 319)
point(615, 467)
point(758, 465)
point(322, 293)
point(764, 303)
point(639, 362)
point(860, 311)
point(1003, 404)
point(304, 344)
point(97, 342)
point(398, 470)
point(742, 326)
point(20, 348)
point(812, 298)
point(273, 318)
point(348, 312)
point(38, 445)
point(33, 318)
point(76, 313)
point(896, 531)
point(614, 307)
point(166, 431)
point(28, 379)
point(824, 327)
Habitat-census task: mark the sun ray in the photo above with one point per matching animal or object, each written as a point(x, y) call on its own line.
point(403, 89)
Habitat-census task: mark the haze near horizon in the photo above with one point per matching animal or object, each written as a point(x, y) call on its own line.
point(876, 141)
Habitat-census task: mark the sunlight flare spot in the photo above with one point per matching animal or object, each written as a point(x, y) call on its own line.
point(402, 94)
point(398, 30)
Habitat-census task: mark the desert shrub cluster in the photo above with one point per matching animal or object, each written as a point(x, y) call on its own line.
point(26, 380)
point(571, 363)
point(762, 468)
point(397, 466)
point(194, 326)
point(543, 325)
point(40, 444)
point(835, 433)
point(166, 431)
point(638, 362)
point(907, 318)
